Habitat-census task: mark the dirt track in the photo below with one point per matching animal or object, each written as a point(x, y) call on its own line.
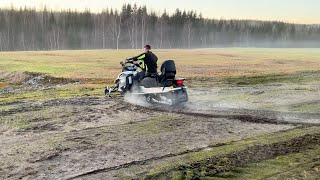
point(98, 137)
point(82, 136)
point(265, 102)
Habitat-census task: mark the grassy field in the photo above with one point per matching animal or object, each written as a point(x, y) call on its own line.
point(198, 63)
point(234, 67)
point(61, 125)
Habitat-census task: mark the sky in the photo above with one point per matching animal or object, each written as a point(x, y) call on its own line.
point(295, 11)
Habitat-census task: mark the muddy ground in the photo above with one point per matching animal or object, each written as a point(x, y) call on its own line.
point(100, 138)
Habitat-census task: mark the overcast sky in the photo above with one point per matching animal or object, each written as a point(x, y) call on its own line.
point(298, 11)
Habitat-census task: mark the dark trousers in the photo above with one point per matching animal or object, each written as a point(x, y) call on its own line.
point(141, 75)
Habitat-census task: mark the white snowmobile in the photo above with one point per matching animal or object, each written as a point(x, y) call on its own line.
point(159, 88)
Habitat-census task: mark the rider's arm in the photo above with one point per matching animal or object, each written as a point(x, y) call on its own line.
point(136, 58)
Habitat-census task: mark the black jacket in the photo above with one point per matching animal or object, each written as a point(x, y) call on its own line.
point(149, 61)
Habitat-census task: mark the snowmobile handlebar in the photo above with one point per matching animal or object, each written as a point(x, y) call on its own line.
point(136, 64)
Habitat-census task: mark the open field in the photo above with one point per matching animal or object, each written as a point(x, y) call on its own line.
point(253, 114)
point(202, 63)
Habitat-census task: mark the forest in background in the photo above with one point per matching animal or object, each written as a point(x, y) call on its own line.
point(134, 26)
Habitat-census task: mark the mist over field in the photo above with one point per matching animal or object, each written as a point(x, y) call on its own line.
point(134, 26)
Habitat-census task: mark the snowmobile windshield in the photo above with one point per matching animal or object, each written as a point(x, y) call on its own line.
point(129, 67)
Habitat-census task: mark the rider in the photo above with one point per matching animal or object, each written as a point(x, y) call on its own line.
point(148, 62)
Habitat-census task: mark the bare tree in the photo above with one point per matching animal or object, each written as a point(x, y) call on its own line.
point(1, 48)
point(161, 27)
point(143, 25)
point(116, 27)
point(29, 29)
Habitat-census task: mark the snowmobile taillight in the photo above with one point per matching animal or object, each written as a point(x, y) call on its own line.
point(179, 82)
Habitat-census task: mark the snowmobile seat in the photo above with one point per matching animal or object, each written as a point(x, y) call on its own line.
point(149, 82)
point(153, 75)
point(168, 70)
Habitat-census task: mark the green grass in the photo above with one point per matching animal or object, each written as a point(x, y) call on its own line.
point(104, 64)
point(310, 107)
point(295, 165)
point(240, 67)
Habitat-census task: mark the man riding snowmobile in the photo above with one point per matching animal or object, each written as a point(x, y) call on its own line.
point(146, 84)
point(148, 62)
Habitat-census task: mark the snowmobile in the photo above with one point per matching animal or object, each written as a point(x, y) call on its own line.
point(158, 88)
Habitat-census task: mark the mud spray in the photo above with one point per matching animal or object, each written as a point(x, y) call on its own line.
point(135, 99)
point(215, 101)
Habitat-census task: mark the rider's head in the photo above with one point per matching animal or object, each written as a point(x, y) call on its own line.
point(147, 48)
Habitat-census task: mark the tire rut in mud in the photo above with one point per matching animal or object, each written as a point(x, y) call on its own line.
point(245, 117)
point(142, 162)
point(19, 110)
point(228, 162)
point(38, 106)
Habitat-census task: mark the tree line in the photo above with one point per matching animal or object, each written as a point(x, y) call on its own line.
point(134, 26)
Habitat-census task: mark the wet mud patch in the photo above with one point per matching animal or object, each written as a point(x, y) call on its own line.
point(220, 165)
point(105, 134)
point(116, 146)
